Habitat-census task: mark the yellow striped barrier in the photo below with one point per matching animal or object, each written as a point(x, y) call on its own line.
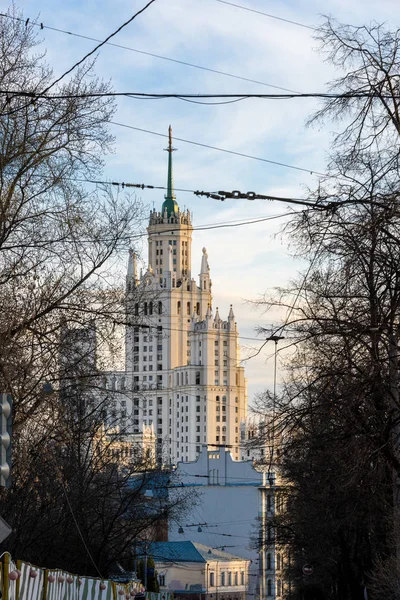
point(24, 581)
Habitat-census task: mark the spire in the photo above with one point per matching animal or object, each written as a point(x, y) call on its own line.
point(170, 205)
point(204, 263)
point(217, 318)
point(231, 316)
point(132, 266)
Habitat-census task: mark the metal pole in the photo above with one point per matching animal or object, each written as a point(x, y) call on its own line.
point(145, 569)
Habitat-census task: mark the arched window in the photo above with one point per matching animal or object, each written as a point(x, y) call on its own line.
point(178, 307)
point(218, 429)
point(269, 587)
point(198, 308)
point(269, 562)
point(150, 308)
point(224, 399)
point(197, 377)
point(145, 308)
point(217, 398)
point(188, 308)
point(160, 308)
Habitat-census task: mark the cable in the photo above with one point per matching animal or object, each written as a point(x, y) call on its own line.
point(89, 53)
point(139, 12)
point(159, 56)
point(265, 160)
point(259, 12)
point(78, 529)
point(234, 97)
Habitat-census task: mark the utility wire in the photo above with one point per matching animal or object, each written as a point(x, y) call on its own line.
point(102, 43)
point(264, 14)
point(153, 55)
point(88, 54)
point(79, 530)
point(234, 97)
point(242, 154)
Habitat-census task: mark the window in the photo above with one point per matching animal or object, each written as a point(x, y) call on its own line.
point(188, 308)
point(161, 579)
point(197, 377)
point(229, 578)
point(236, 578)
point(279, 588)
point(160, 313)
point(278, 561)
point(223, 578)
point(178, 307)
point(242, 578)
point(269, 587)
point(268, 560)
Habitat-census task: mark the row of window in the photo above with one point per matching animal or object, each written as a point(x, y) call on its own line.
point(170, 243)
point(227, 578)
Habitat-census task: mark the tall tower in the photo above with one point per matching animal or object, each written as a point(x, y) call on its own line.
point(182, 362)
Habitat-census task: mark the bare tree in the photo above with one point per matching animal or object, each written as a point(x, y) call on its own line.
point(339, 411)
point(58, 234)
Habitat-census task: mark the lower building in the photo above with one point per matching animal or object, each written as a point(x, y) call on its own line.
point(194, 571)
point(236, 505)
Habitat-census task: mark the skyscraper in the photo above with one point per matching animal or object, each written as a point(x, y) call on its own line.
point(182, 366)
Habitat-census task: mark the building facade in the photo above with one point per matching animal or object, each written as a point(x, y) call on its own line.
point(182, 366)
point(197, 572)
point(237, 502)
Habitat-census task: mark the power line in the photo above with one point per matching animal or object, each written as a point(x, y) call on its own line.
point(235, 153)
point(79, 62)
point(153, 55)
point(102, 43)
point(195, 96)
point(259, 12)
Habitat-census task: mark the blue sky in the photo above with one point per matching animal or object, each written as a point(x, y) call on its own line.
point(246, 262)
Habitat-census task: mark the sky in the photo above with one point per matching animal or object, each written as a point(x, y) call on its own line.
point(250, 261)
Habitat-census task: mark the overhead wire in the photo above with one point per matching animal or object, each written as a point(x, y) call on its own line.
point(259, 12)
point(233, 152)
point(153, 55)
point(79, 62)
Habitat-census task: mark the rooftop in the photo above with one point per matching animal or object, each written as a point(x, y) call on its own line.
point(188, 552)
